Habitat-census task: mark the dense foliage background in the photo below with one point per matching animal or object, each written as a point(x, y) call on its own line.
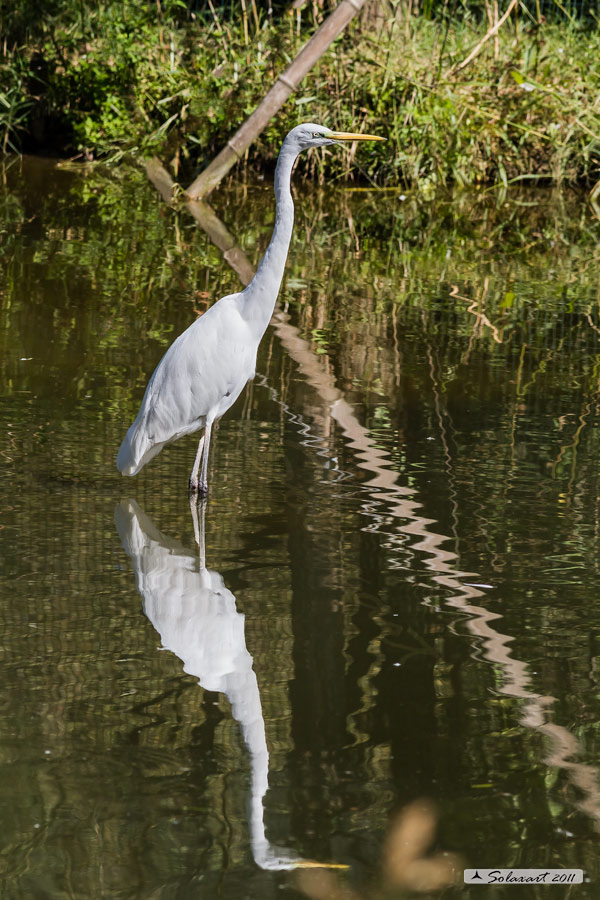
point(101, 79)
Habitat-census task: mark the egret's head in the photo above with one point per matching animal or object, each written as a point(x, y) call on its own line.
point(311, 135)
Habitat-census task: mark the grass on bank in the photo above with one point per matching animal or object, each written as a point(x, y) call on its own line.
point(126, 80)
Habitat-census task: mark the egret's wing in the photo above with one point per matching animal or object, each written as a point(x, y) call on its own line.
point(202, 373)
point(205, 363)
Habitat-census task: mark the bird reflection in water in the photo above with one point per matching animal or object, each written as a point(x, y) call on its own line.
point(196, 617)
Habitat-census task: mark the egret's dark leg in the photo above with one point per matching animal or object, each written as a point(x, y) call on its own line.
point(194, 475)
point(203, 482)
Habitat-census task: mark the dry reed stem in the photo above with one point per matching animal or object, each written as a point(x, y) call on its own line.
point(490, 33)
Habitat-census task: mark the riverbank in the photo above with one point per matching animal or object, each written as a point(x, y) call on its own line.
point(140, 82)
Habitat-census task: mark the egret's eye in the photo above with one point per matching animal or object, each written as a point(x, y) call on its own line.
point(316, 134)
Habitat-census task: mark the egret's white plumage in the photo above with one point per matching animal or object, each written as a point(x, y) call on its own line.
point(200, 376)
point(203, 372)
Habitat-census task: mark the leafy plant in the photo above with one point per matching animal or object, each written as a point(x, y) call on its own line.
point(104, 80)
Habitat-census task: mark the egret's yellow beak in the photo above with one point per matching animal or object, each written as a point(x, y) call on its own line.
point(311, 864)
point(348, 136)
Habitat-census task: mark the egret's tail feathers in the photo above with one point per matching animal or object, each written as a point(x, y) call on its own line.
point(136, 450)
point(127, 520)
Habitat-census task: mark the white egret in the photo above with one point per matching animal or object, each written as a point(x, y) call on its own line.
point(205, 369)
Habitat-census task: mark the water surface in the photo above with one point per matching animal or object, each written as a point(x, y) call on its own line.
point(399, 596)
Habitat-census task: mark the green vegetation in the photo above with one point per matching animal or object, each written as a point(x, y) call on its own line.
point(104, 80)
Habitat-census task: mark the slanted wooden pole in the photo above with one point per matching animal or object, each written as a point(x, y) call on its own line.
point(285, 85)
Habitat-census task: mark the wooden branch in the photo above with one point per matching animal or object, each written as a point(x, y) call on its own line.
point(285, 85)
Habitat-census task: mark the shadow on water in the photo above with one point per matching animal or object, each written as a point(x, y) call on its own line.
point(405, 510)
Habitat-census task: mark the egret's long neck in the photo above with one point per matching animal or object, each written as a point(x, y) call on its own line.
point(262, 291)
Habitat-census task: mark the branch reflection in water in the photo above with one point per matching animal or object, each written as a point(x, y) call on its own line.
point(197, 619)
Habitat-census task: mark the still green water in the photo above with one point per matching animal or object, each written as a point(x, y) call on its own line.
point(401, 592)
